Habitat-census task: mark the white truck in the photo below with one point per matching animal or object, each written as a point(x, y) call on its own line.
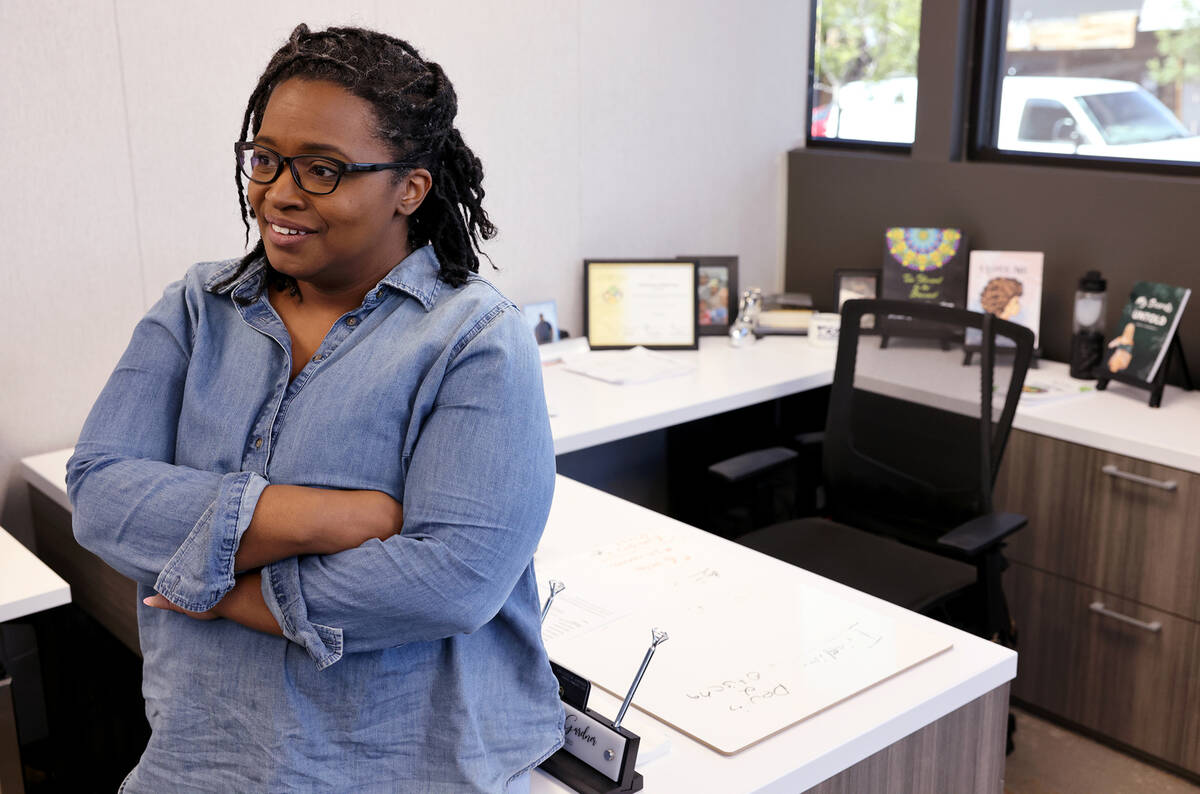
point(1052, 115)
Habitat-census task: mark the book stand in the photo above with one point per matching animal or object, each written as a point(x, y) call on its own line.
point(969, 352)
point(907, 329)
point(1155, 386)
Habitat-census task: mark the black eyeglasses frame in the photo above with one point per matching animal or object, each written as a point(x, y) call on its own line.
point(343, 168)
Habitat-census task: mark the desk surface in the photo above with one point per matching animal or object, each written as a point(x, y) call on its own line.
point(591, 412)
point(27, 585)
point(816, 748)
point(587, 412)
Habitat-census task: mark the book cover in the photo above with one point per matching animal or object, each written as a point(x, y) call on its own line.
point(1007, 284)
point(925, 264)
point(1148, 323)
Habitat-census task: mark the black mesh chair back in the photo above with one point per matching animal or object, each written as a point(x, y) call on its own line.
point(914, 438)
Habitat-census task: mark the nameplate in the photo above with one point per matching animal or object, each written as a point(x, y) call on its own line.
point(593, 742)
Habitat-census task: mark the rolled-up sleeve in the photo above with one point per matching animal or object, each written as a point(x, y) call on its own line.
point(170, 527)
point(476, 496)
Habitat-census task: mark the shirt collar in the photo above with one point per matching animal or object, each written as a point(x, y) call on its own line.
point(416, 275)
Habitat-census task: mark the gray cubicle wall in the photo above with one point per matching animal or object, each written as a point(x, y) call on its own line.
point(1128, 225)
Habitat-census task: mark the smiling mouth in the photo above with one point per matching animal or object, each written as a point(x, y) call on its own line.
point(286, 230)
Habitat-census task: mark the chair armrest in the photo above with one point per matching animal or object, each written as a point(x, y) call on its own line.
point(751, 464)
point(986, 530)
point(809, 439)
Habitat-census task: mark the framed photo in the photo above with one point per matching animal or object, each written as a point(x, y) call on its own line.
point(716, 293)
point(855, 284)
point(542, 319)
point(648, 302)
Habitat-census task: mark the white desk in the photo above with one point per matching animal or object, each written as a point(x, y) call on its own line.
point(812, 750)
point(26, 586)
point(590, 412)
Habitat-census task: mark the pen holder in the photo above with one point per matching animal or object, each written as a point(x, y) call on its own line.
point(596, 757)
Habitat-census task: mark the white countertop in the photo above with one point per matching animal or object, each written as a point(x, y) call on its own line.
point(586, 412)
point(1117, 420)
point(27, 585)
point(816, 748)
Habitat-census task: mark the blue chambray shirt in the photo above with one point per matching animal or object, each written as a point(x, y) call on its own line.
point(412, 664)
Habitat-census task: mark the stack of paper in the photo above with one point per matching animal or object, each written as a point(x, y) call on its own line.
point(636, 365)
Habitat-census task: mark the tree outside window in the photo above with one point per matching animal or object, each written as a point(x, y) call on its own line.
point(865, 59)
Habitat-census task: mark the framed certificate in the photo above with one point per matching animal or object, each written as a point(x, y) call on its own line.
point(649, 302)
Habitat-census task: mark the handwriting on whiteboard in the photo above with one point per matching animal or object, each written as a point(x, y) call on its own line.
point(740, 694)
point(846, 644)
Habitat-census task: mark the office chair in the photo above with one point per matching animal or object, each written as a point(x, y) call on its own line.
point(908, 477)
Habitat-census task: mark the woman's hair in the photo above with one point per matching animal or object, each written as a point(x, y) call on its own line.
point(998, 292)
point(415, 106)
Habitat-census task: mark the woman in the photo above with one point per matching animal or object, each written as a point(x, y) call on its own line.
point(247, 461)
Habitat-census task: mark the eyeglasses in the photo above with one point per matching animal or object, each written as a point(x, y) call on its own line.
point(313, 173)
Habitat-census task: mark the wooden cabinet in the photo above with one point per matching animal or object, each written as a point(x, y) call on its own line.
point(1131, 682)
point(1091, 523)
point(1105, 590)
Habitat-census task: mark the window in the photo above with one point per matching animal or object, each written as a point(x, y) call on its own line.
point(1099, 79)
point(864, 66)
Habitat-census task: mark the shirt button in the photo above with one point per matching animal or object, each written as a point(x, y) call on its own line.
point(352, 321)
point(258, 443)
point(318, 357)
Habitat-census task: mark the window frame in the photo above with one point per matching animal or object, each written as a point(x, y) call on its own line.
point(841, 144)
point(987, 77)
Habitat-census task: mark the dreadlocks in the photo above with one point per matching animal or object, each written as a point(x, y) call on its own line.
point(415, 106)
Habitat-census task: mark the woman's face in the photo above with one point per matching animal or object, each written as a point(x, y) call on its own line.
point(351, 237)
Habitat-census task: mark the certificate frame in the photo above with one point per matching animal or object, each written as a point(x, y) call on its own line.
point(660, 316)
point(725, 270)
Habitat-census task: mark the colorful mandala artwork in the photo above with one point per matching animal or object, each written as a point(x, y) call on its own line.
point(923, 249)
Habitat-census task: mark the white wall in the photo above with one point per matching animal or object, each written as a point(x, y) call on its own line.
point(606, 127)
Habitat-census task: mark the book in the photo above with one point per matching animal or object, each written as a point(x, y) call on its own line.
point(1148, 323)
point(925, 264)
point(1007, 284)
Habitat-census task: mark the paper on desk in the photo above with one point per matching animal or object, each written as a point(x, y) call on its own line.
point(754, 646)
point(1043, 387)
point(622, 367)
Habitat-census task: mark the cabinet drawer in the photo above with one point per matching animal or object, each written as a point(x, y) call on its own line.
point(1090, 522)
point(1125, 681)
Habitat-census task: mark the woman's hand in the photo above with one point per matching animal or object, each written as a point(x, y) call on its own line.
point(160, 602)
point(243, 604)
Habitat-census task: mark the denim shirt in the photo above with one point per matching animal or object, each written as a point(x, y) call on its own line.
point(411, 664)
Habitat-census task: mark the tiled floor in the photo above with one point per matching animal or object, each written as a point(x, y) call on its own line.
point(1052, 760)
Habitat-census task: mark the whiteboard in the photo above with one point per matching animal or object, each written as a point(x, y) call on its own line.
point(755, 645)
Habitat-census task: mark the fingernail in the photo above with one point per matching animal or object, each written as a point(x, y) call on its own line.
point(146, 600)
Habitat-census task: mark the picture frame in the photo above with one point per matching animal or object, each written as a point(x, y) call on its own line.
point(542, 319)
point(716, 293)
point(641, 302)
point(854, 283)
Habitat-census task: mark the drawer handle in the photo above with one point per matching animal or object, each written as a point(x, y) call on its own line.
point(1113, 471)
point(1098, 606)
